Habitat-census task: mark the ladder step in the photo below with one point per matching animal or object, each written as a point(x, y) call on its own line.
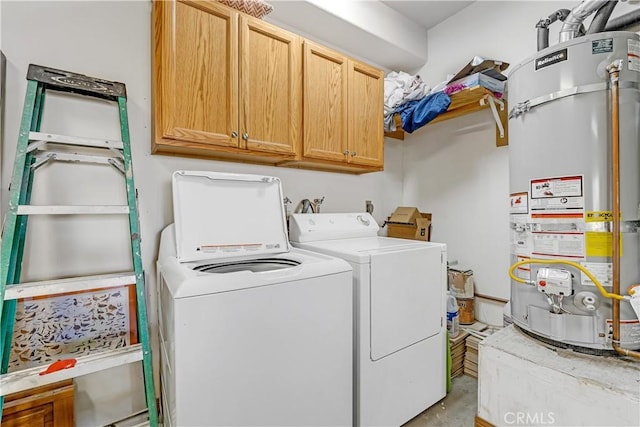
point(140, 419)
point(73, 284)
point(72, 210)
point(68, 81)
point(26, 379)
point(131, 423)
point(45, 156)
point(74, 140)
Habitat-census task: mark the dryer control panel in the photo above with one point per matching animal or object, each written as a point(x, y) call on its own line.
point(330, 226)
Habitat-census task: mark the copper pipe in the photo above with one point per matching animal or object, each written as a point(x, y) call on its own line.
point(614, 74)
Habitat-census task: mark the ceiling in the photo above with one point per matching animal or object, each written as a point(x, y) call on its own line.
point(388, 33)
point(427, 13)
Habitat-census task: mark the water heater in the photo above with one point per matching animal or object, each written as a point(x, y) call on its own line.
point(560, 180)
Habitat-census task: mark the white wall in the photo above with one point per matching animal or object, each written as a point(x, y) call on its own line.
point(453, 168)
point(111, 40)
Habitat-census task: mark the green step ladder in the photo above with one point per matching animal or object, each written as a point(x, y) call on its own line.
point(29, 156)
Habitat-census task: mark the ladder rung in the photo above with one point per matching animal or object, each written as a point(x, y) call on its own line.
point(74, 284)
point(26, 379)
point(74, 140)
point(140, 419)
point(73, 157)
point(72, 210)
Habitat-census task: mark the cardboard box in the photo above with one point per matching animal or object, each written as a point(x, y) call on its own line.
point(478, 64)
point(461, 283)
point(409, 223)
point(480, 79)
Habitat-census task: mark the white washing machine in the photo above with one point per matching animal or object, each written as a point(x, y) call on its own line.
point(252, 333)
point(400, 313)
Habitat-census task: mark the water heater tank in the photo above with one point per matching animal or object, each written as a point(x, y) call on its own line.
point(560, 188)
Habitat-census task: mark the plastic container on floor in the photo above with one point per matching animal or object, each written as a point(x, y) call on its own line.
point(453, 318)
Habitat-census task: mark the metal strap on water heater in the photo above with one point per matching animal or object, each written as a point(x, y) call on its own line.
point(525, 106)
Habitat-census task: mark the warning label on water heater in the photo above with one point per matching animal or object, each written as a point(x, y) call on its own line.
point(559, 195)
point(602, 271)
point(519, 203)
point(559, 244)
point(566, 186)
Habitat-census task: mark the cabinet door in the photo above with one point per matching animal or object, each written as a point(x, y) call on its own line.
point(270, 87)
point(366, 98)
point(48, 406)
point(34, 417)
point(197, 79)
point(325, 103)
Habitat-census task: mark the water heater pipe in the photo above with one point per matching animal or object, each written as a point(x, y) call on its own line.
point(623, 21)
point(543, 26)
point(614, 74)
point(603, 14)
point(572, 24)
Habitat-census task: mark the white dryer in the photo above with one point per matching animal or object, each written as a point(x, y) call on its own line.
point(400, 313)
point(251, 332)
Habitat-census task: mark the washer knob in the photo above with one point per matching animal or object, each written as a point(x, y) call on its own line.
point(362, 220)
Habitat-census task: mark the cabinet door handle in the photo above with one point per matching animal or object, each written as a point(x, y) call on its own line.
point(346, 152)
point(234, 134)
point(245, 136)
point(353, 154)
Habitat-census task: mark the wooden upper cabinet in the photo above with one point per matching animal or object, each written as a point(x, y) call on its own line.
point(270, 87)
point(232, 87)
point(342, 112)
point(226, 85)
point(197, 73)
point(325, 103)
point(365, 114)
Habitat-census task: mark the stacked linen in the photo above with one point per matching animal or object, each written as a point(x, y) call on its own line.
point(410, 97)
point(400, 88)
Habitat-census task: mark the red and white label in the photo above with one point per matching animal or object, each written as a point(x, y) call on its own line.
point(561, 195)
point(567, 186)
point(519, 203)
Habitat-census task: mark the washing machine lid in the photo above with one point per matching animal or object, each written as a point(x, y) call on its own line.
point(227, 216)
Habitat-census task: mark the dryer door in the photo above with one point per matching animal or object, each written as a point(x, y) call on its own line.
point(407, 298)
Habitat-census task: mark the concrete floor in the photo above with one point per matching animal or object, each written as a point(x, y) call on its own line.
point(457, 409)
